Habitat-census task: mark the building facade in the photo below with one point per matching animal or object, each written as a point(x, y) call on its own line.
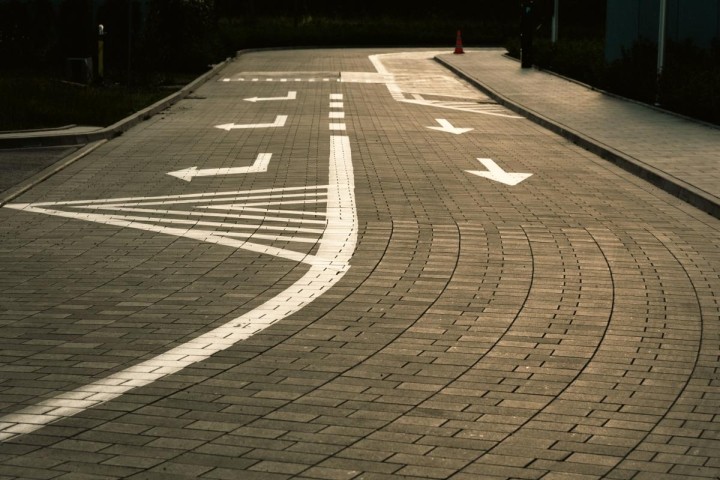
point(629, 21)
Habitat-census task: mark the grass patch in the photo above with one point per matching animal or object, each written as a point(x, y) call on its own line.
point(31, 101)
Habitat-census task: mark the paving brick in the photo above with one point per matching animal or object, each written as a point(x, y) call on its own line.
point(564, 327)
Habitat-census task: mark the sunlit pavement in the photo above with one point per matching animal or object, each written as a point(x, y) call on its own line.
point(351, 264)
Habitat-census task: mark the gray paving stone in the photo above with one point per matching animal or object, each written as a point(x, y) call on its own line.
point(566, 327)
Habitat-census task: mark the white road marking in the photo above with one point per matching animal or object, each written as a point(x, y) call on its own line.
point(446, 126)
point(279, 122)
point(497, 174)
point(407, 84)
point(157, 219)
point(329, 264)
point(290, 96)
point(282, 79)
point(261, 165)
point(327, 267)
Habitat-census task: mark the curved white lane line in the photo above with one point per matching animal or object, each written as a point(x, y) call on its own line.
point(330, 264)
point(402, 83)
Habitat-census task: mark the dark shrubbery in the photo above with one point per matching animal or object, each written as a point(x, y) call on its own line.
point(146, 45)
point(180, 35)
point(342, 32)
point(688, 85)
point(691, 81)
point(175, 35)
point(32, 101)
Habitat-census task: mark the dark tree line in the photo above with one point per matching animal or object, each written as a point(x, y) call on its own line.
point(498, 9)
point(139, 34)
point(143, 35)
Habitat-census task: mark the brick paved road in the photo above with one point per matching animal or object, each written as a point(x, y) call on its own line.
point(17, 165)
point(564, 327)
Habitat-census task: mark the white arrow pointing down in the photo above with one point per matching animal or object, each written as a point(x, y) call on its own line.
point(260, 165)
point(446, 126)
point(497, 174)
point(279, 122)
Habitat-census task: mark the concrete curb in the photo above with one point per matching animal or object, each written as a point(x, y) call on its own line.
point(48, 172)
point(668, 183)
point(54, 138)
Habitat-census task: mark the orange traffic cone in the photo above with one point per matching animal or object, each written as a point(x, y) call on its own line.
point(458, 43)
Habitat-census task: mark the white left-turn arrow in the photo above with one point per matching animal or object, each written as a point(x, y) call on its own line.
point(279, 122)
point(495, 173)
point(290, 96)
point(260, 165)
point(446, 126)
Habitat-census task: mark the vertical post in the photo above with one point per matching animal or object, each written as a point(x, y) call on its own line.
point(101, 53)
point(555, 20)
point(527, 30)
point(661, 47)
point(129, 40)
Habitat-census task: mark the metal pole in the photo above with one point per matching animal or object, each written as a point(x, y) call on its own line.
point(661, 47)
point(555, 21)
point(101, 53)
point(129, 42)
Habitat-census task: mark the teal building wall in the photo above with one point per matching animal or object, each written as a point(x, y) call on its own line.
point(631, 20)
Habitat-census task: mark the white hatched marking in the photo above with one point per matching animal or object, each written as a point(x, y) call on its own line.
point(164, 219)
point(326, 268)
point(408, 84)
point(487, 109)
point(262, 218)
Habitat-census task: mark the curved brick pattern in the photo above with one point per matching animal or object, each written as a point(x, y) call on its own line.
point(563, 327)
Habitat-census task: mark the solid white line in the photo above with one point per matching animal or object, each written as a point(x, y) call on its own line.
point(192, 223)
point(174, 231)
point(283, 212)
point(328, 266)
point(260, 204)
point(176, 197)
point(190, 213)
point(207, 200)
point(264, 237)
